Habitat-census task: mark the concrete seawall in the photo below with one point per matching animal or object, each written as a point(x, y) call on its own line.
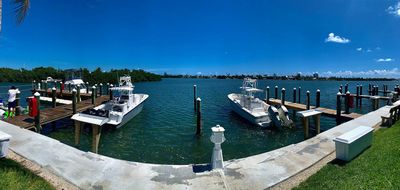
point(92, 171)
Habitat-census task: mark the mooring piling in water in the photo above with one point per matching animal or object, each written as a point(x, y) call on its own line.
point(357, 94)
point(347, 102)
point(267, 94)
point(198, 128)
point(341, 88)
point(283, 96)
point(53, 97)
point(276, 92)
point(346, 87)
point(194, 96)
point(294, 95)
point(361, 93)
point(308, 100)
point(37, 117)
point(299, 94)
point(318, 99)
point(93, 94)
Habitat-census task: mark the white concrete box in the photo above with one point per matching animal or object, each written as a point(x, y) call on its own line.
point(4, 141)
point(353, 142)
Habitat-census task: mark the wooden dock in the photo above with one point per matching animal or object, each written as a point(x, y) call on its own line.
point(49, 115)
point(325, 111)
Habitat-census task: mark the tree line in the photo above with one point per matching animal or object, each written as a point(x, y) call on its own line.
point(96, 76)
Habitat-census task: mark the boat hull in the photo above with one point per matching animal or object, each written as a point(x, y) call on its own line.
point(262, 121)
point(132, 113)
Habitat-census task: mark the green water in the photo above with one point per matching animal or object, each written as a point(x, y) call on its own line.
point(164, 132)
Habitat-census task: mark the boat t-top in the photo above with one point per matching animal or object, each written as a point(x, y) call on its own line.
point(255, 110)
point(123, 106)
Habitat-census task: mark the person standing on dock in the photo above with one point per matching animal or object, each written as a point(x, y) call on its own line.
point(12, 94)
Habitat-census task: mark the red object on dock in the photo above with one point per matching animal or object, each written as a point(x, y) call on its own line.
point(33, 109)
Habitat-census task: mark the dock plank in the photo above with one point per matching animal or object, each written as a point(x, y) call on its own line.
point(49, 115)
point(325, 111)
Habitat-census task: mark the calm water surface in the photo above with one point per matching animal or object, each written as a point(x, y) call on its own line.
point(164, 131)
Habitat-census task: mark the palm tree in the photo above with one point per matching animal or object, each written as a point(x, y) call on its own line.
point(21, 9)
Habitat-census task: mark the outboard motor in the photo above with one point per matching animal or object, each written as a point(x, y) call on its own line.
point(274, 115)
point(284, 116)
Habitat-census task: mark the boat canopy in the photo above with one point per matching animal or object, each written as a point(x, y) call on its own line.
point(122, 88)
point(75, 81)
point(249, 89)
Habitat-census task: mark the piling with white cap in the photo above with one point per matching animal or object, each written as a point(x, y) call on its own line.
point(217, 137)
point(53, 96)
point(37, 117)
point(198, 106)
point(74, 101)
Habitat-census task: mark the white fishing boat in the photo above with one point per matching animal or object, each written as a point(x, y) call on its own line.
point(255, 110)
point(116, 112)
point(75, 83)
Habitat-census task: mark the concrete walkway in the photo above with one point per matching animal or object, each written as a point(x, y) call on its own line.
point(91, 171)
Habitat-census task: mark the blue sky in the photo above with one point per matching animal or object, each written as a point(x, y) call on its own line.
point(337, 37)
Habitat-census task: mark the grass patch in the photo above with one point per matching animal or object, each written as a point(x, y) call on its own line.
point(376, 168)
point(15, 176)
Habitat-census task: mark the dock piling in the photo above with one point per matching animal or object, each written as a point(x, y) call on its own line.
point(53, 97)
point(108, 89)
point(18, 103)
point(101, 89)
point(308, 100)
point(357, 95)
point(110, 92)
point(78, 93)
point(96, 133)
point(276, 92)
point(346, 87)
point(338, 107)
point(37, 117)
point(198, 128)
point(194, 96)
point(61, 89)
point(87, 87)
point(267, 94)
point(283, 96)
point(318, 99)
point(45, 88)
point(360, 93)
point(299, 94)
point(341, 88)
point(294, 95)
point(93, 94)
point(74, 101)
point(77, 132)
point(347, 100)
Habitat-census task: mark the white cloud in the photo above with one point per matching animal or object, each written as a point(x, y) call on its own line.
point(389, 73)
point(359, 49)
point(394, 10)
point(385, 60)
point(336, 39)
point(369, 50)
